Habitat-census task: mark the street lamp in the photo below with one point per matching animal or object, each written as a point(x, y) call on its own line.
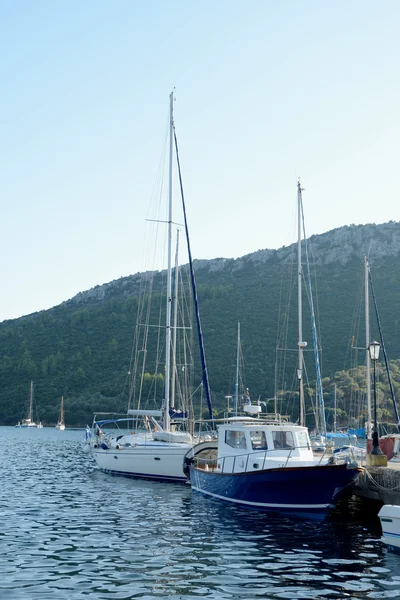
point(374, 348)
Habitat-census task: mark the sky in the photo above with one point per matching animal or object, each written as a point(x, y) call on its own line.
point(265, 92)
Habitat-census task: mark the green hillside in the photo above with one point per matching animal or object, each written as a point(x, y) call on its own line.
point(81, 349)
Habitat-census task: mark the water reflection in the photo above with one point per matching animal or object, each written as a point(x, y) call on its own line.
point(70, 531)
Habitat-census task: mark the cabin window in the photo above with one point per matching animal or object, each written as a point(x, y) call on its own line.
point(303, 439)
point(258, 440)
point(235, 439)
point(283, 439)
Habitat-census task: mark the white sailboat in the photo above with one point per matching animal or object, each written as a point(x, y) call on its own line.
point(147, 443)
point(61, 425)
point(29, 422)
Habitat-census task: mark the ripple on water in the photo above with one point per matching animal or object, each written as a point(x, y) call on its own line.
point(70, 531)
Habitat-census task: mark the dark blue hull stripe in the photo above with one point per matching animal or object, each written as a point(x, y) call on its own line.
point(388, 534)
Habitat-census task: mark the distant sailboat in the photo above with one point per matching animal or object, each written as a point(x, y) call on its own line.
point(29, 422)
point(61, 425)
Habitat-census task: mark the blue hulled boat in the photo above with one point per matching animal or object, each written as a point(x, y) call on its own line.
point(269, 465)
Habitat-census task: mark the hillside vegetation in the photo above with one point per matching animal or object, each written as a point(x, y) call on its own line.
point(81, 349)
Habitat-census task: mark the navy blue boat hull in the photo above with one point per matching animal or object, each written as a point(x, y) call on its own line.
point(309, 491)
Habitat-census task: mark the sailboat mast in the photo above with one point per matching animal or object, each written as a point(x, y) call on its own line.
point(299, 289)
point(235, 408)
point(174, 334)
point(30, 416)
point(169, 278)
point(367, 357)
point(334, 410)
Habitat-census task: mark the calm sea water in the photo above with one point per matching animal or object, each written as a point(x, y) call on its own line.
point(70, 531)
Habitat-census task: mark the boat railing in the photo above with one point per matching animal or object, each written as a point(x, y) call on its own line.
point(267, 454)
point(349, 454)
point(230, 464)
point(220, 463)
point(264, 418)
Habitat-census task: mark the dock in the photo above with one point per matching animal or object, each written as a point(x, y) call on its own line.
point(380, 484)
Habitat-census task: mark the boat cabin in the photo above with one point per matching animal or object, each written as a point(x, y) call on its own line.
point(253, 445)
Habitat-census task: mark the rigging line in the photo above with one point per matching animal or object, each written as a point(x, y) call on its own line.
point(355, 326)
point(199, 387)
point(155, 209)
point(188, 367)
point(242, 369)
point(276, 346)
point(141, 342)
point(384, 352)
point(144, 304)
point(183, 348)
point(147, 304)
point(281, 335)
point(314, 329)
point(158, 357)
point(160, 345)
point(189, 334)
point(316, 300)
point(282, 366)
point(146, 283)
point(159, 180)
point(196, 302)
point(186, 315)
point(357, 398)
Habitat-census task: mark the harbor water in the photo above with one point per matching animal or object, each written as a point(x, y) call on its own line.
point(69, 531)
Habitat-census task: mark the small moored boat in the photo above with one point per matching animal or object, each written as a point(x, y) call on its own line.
point(139, 447)
point(270, 465)
point(60, 424)
point(29, 422)
point(389, 516)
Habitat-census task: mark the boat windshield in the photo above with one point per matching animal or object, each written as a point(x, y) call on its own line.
point(258, 440)
point(303, 439)
point(235, 439)
point(128, 425)
point(283, 439)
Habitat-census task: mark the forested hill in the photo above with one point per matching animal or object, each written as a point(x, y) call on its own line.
point(81, 349)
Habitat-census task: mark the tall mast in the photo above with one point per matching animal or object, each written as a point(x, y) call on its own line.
point(334, 410)
point(299, 277)
point(235, 408)
point(276, 383)
point(169, 278)
point(367, 357)
point(174, 333)
point(320, 408)
point(30, 416)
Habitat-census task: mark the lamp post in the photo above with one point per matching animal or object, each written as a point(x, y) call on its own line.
point(374, 348)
